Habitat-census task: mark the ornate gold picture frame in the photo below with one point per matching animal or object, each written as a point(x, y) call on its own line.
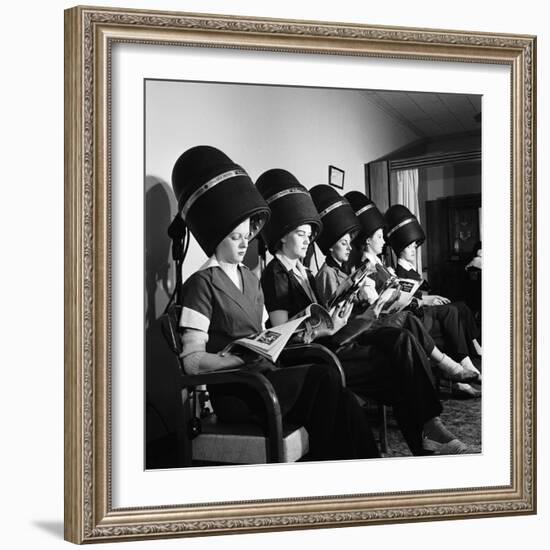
point(90, 35)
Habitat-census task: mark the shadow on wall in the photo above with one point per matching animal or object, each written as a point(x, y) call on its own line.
point(158, 263)
point(163, 403)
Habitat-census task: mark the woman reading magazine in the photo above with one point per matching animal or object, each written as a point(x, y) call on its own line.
point(405, 234)
point(371, 241)
point(223, 301)
point(455, 365)
point(395, 369)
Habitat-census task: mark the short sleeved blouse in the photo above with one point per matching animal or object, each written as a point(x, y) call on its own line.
point(214, 305)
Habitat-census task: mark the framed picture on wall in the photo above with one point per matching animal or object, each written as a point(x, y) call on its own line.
point(130, 77)
point(336, 177)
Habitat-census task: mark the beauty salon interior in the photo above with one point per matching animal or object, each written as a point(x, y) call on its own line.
point(391, 179)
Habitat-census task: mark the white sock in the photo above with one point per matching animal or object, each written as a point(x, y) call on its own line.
point(449, 364)
point(467, 364)
point(477, 347)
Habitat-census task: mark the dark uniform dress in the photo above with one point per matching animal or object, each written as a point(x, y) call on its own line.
point(329, 277)
point(312, 396)
point(331, 274)
point(386, 363)
point(454, 324)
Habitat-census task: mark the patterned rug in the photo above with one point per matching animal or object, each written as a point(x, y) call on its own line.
point(461, 416)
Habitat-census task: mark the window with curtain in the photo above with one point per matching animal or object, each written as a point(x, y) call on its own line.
point(406, 187)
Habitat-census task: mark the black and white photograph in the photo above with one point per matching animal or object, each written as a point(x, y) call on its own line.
point(243, 232)
point(286, 264)
point(299, 274)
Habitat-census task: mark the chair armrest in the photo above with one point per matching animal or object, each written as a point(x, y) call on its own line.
point(255, 380)
point(304, 353)
point(259, 383)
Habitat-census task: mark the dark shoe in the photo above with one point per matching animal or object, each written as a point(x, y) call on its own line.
point(456, 375)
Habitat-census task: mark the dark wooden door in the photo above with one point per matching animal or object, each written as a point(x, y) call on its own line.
point(453, 229)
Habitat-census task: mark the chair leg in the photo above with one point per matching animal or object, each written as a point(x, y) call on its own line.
point(185, 445)
point(383, 434)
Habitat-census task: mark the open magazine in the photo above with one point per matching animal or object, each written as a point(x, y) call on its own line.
point(271, 342)
point(395, 296)
point(350, 286)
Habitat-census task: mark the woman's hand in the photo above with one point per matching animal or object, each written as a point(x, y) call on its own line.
point(202, 362)
point(228, 360)
point(340, 315)
point(367, 292)
point(435, 300)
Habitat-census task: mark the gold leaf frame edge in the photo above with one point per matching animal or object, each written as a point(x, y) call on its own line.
point(89, 516)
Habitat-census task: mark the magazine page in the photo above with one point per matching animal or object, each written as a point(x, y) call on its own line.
point(315, 318)
point(348, 288)
point(269, 343)
point(396, 296)
point(410, 286)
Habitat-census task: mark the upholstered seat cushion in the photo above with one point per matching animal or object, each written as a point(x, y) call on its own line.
point(244, 443)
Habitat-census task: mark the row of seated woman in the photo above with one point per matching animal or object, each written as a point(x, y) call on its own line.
point(389, 357)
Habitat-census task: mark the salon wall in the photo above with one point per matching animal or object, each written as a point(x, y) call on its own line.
point(300, 129)
point(450, 180)
point(260, 127)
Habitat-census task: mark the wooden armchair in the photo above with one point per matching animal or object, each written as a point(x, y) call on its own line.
point(205, 440)
point(210, 441)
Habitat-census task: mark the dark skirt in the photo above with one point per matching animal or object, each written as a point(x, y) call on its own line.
point(390, 365)
point(312, 396)
point(445, 327)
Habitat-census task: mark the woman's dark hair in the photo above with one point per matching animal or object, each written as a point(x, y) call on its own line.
point(256, 223)
point(279, 244)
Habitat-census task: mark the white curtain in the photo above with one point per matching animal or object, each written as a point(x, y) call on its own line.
point(407, 195)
